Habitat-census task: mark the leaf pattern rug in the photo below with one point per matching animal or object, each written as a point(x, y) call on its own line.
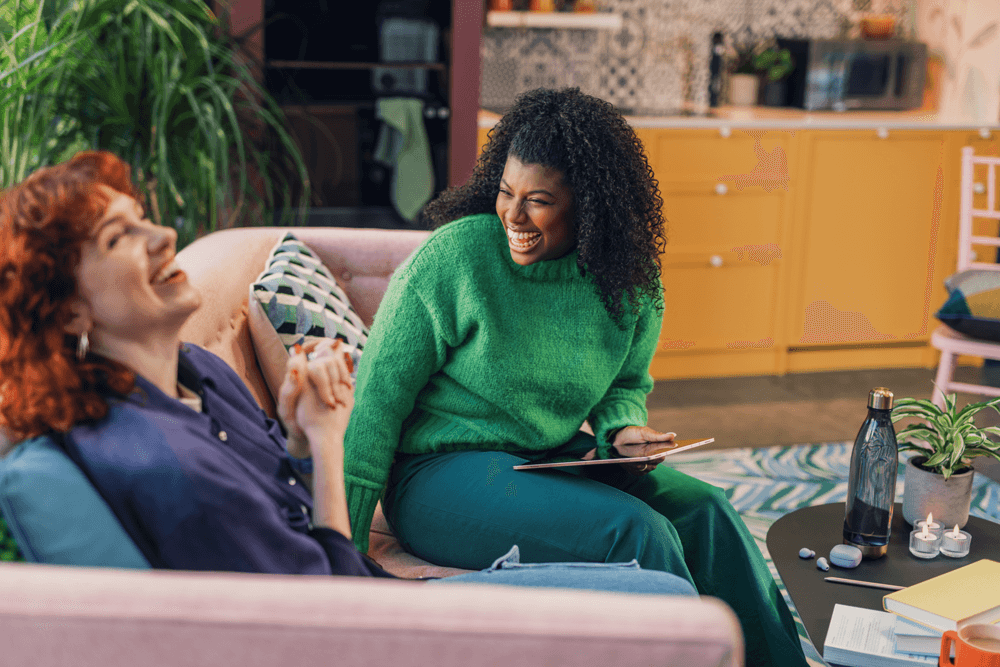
point(765, 484)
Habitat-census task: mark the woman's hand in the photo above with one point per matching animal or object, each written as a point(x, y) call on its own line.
point(316, 394)
point(640, 441)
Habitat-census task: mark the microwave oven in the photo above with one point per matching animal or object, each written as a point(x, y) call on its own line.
point(846, 74)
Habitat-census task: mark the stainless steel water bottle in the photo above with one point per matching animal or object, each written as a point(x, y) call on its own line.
point(871, 486)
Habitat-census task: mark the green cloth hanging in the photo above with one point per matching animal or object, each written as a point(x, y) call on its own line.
point(403, 144)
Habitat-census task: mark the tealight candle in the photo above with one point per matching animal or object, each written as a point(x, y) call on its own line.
point(924, 543)
point(956, 543)
point(932, 526)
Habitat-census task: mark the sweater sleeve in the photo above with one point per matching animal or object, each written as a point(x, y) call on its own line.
point(405, 347)
point(624, 404)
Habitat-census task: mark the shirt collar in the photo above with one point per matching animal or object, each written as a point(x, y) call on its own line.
point(188, 374)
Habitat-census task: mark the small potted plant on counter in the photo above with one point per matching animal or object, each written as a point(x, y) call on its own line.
point(744, 79)
point(938, 479)
point(775, 64)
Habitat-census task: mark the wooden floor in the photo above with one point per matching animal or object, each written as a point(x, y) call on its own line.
point(798, 408)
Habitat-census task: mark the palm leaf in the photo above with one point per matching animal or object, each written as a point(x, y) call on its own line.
point(156, 82)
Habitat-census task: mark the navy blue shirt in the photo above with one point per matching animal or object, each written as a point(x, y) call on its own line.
point(211, 490)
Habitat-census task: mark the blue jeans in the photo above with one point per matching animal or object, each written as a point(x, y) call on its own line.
point(508, 570)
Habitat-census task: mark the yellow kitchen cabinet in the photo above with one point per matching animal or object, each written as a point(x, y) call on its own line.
point(482, 135)
point(741, 158)
point(721, 274)
point(867, 269)
point(725, 197)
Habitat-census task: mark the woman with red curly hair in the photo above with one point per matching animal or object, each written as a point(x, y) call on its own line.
point(91, 306)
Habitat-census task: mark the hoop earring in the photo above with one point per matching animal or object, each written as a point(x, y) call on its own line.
point(83, 346)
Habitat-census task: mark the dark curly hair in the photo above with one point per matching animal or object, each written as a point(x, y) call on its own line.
point(44, 222)
point(618, 209)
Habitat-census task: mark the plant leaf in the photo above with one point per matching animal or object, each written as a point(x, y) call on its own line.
point(957, 450)
point(936, 460)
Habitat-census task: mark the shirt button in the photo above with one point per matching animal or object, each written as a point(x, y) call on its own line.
point(222, 436)
point(291, 481)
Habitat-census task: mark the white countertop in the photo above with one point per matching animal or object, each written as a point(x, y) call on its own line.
point(797, 119)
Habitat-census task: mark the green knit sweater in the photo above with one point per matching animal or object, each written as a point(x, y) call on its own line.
point(470, 350)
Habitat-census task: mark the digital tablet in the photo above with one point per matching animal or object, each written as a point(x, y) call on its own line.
point(657, 457)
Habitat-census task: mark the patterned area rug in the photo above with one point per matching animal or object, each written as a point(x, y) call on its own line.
point(765, 484)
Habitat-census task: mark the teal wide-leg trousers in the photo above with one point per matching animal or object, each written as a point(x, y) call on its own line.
point(462, 509)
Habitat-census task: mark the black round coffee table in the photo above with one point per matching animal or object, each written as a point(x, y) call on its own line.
point(820, 528)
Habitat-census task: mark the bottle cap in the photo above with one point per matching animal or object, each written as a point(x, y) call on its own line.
point(880, 398)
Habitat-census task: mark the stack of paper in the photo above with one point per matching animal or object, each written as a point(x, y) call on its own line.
point(866, 638)
point(915, 638)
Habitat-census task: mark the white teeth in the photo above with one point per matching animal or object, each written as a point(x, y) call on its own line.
point(169, 269)
point(523, 240)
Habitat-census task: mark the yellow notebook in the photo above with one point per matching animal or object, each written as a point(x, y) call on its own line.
point(970, 594)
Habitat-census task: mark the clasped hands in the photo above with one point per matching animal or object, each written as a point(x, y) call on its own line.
point(316, 395)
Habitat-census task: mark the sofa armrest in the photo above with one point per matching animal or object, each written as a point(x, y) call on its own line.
point(51, 615)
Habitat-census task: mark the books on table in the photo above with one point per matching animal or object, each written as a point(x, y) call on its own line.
point(866, 638)
point(916, 638)
point(970, 594)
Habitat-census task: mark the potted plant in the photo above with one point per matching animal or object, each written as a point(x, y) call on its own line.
point(775, 64)
point(161, 84)
point(938, 479)
point(744, 80)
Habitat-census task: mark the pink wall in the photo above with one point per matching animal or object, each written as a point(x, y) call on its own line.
point(467, 27)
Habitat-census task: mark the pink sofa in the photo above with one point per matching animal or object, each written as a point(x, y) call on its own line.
point(51, 615)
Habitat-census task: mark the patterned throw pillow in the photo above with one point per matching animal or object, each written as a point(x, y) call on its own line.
point(973, 305)
point(302, 301)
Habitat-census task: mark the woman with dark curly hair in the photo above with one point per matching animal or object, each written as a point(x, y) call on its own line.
point(533, 308)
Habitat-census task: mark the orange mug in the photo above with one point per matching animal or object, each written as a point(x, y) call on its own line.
point(976, 645)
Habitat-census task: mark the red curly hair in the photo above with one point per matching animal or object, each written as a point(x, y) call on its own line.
point(44, 222)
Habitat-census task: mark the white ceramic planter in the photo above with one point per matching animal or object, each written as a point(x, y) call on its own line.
point(927, 492)
point(743, 89)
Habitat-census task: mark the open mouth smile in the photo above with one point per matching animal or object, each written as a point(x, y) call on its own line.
point(169, 273)
point(522, 241)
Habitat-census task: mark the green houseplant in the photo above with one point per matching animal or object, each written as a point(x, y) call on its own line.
point(774, 63)
point(938, 479)
point(161, 84)
point(755, 59)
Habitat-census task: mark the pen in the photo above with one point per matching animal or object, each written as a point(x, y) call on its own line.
point(867, 584)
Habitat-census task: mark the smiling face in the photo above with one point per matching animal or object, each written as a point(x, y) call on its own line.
point(536, 209)
point(130, 289)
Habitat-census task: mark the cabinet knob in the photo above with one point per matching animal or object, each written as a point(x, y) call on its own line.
point(715, 260)
point(883, 133)
point(721, 189)
point(978, 188)
point(973, 256)
point(984, 133)
point(724, 132)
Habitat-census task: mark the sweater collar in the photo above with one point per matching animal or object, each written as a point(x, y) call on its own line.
point(548, 270)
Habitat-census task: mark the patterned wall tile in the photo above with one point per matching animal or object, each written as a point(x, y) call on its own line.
point(659, 61)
